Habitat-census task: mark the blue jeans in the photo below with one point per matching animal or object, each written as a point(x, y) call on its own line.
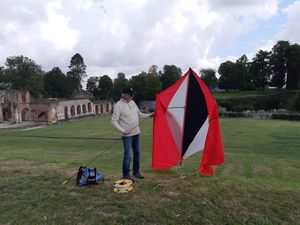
point(134, 142)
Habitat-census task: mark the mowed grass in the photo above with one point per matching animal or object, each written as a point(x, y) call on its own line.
point(259, 182)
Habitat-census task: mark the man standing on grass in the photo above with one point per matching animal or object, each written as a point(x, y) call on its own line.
point(125, 118)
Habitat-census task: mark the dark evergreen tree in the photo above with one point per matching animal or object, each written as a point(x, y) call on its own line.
point(293, 67)
point(77, 71)
point(278, 63)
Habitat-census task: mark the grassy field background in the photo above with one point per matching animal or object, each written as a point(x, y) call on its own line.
point(259, 183)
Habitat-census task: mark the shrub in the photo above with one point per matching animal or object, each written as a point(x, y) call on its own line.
point(297, 103)
point(266, 103)
point(286, 116)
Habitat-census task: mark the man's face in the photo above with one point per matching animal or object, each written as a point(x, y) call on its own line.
point(127, 97)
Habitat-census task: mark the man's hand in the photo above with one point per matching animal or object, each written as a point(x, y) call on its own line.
point(126, 132)
point(151, 115)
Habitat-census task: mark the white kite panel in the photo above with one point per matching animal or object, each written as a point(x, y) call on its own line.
point(175, 113)
point(199, 141)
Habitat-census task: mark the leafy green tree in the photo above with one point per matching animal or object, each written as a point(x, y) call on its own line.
point(119, 83)
point(105, 88)
point(169, 76)
point(77, 70)
point(152, 84)
point(278, 63)
point(3, 80)
point(153, 69)
point(56, 84)
point(227, 71)
point(209, 78)
point(23, 73)
point(92, 86)
point(260, 69)
point(243, 79)
point(138, 84)
point(293, 67)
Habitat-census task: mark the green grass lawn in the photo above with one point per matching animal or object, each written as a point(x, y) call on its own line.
point(259, 182)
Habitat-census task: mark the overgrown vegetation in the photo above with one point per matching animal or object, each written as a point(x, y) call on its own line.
point(259, 182)
point(237, 101)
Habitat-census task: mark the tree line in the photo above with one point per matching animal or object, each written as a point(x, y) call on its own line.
point(146, 84)
point(22, 73)
point(278, 68)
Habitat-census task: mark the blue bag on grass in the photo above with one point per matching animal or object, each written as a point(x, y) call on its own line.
point(87, 176)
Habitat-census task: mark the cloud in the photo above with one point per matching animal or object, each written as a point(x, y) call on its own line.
point(56, 29)
point(130, 35)
point(290, 29)
point(22, 33)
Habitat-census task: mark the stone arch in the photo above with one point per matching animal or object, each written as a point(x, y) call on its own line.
point(6, 112)
point(42, 116)
point(72, 110)
point(101, 108)
point(78, 110)
point(107, 107)
point(89, 107)
point(83, 108)
point(66, 113)
point(26, 115)
point(96, 109)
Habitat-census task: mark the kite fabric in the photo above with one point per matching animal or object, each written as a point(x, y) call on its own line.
point(185, 122)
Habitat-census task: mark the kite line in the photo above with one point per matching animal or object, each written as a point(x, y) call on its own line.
point(101, 153)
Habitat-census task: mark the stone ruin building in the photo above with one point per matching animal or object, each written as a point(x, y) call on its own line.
point(18, 106)
point(15, 106)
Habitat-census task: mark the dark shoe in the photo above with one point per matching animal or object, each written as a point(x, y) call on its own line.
point(139, 176)
point(127, 177)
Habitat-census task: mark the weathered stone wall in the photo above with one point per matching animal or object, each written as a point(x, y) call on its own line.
point(15, 106)
point(1, 114)
point(40, 111)
point(103, 107)
point(83, 107)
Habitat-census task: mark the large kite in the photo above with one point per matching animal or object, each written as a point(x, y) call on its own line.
point(186, 121)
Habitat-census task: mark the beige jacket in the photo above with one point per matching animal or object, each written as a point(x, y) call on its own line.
point(126, 117)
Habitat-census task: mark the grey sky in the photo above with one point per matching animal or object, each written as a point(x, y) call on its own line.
point(131, 35)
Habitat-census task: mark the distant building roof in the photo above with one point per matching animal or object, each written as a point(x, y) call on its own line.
point(81, 94)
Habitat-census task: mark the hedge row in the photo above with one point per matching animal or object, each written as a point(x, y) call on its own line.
point(279, 116)
point(283, 99)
